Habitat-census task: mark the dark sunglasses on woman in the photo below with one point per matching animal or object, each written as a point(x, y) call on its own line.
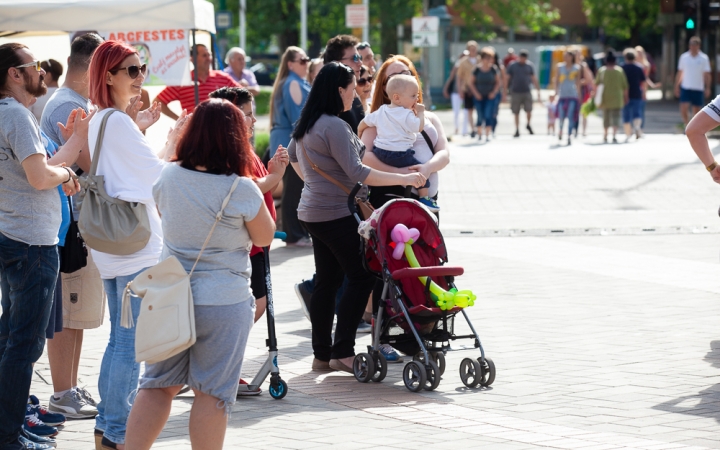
point(304, 60)
point(132, 71)
point(364, 80)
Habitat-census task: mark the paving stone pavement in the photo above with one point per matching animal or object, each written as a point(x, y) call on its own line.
point(603, 339)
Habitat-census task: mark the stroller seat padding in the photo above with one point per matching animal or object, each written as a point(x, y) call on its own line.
point(430, 271)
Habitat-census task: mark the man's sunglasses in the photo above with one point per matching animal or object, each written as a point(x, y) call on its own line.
point(132, 71)
point(356, 58)
point(35, 64)
point(362, 46)
point(304, 60)
point(364, 81)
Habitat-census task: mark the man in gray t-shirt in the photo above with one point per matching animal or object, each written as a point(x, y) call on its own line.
point(521, 74)
point(30, 218)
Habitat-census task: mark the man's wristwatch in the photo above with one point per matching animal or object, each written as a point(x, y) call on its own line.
point(712, 166)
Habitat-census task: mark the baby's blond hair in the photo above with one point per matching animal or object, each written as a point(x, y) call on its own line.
point(400, 84)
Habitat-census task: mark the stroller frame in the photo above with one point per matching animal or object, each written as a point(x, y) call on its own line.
point(427, 367)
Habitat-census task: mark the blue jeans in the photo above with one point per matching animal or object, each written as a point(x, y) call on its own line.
point(485, 112)
point(119, 372)
point(28, 274)
point(633, 110)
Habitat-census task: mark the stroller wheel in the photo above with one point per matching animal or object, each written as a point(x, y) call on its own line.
point(487, 371)
point(380, 368)
point(432, 373)
point(438, 357)
point(363, 367)
point(470, 372)
point(414, 376)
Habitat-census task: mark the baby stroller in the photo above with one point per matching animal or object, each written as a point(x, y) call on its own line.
point(408, 317)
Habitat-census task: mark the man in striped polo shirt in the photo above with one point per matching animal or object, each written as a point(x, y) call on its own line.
point(209, 81)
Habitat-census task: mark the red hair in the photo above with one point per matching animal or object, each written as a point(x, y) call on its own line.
point(216, 138)
point(108, 57)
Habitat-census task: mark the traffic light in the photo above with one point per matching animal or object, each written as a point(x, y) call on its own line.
point(690, 15)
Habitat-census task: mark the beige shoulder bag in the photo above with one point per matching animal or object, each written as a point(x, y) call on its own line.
point(108, 224)
point(166, 325)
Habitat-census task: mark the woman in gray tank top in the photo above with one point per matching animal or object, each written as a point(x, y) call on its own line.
point(567, 89)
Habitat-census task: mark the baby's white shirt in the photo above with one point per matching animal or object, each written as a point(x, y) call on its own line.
point(396, 127)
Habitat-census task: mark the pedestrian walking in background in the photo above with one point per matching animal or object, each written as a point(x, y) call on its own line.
point(521, 75)
point(321, 138)
point(485, 86)
point(511, 57)
point(692, 80)
point(208, 80)
point(288, 97)
point(632, 111)
point(452, 90)
point(343, 49)
point(587, 87)
point(29, 262)
point(502, 94)
point(642, 61)
point(83, 295)
point(214, 162)
point(466, 73)
point(130, 167)
point(614, 96)
point(567, 91)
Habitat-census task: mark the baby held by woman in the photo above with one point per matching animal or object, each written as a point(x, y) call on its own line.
point(397, 126)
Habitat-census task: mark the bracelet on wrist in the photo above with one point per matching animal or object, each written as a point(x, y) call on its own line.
point(69, 175)
point(712, 166)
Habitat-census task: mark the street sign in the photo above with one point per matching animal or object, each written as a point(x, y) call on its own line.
point(425, 31)
point(356, 16)
point(223, 20)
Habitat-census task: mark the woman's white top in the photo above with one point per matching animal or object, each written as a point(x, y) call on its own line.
point(130, 167)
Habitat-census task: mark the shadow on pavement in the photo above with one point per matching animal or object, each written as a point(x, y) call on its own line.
point(707, 402)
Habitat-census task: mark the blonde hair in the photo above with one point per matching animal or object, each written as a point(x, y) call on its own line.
point(399, 84)
point(311, 68)
point(380, 97)
point(283, 72)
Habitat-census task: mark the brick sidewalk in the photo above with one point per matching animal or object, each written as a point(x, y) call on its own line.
point(602, 341)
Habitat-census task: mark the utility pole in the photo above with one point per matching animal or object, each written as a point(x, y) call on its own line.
point(243, 37)
point(366, 28)
point(303, 24)
point(427, 99)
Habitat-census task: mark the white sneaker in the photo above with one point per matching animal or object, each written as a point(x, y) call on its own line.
point(73, 406)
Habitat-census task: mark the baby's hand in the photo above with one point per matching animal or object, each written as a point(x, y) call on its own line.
point(419, 108)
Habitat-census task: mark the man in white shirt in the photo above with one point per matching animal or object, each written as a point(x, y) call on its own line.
point(692, 81)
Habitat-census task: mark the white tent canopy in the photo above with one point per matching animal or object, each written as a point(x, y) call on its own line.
point(135, 15)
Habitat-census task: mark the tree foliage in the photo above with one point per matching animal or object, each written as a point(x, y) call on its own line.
point(625, 19)
point(536, 15)
point(280, 19)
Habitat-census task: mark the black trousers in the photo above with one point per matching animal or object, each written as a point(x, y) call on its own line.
point(292, 190)
point(336, 245)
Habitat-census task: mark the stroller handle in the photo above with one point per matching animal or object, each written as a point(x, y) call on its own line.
point(351, 198)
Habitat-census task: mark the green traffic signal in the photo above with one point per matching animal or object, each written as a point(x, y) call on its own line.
point(690, 24)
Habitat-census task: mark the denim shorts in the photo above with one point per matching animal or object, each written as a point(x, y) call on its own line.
point(212, 365)
point(633, 110)
point(405, 158)
point(695, 98)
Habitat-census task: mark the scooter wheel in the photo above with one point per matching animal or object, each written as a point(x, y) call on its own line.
point(279, 390)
